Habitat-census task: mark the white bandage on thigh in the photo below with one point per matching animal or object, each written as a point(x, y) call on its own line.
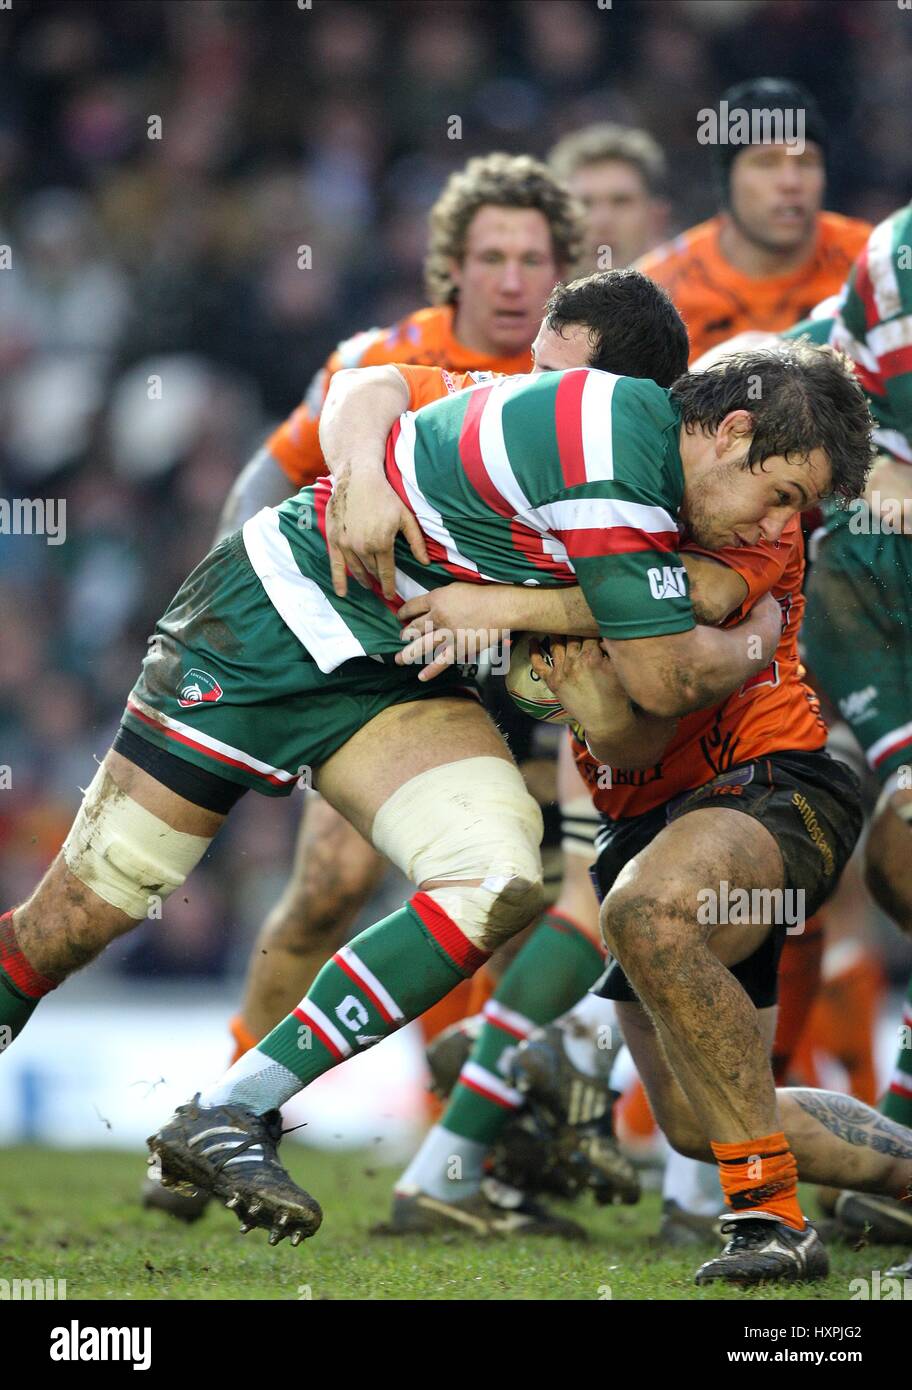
point(124, 853)
point(579, 823)
point(469, 819)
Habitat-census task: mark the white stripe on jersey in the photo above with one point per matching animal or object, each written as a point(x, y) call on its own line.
point(841, 338)
point(895, 442)
point(494, 449)
point(598, 445)
point(888, 337)
point(429, 519)
point(883, 745)
point(599, 513)
point(299, 602)
point(882, 271)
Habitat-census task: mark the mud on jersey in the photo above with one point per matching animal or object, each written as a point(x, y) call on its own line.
point(555, 479)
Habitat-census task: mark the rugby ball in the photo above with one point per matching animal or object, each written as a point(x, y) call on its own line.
point(527, 690)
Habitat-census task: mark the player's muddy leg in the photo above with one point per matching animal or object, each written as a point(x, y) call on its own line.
point(434, 786)
point(650, 919)
point(559, 960)
point(335, 872)
point(675, 957)
point(835, 1138)
point(132, 843)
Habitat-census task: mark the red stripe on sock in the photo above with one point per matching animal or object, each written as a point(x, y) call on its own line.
point(561, 922)
point(488, 1095)
point(505, 1027)
point(319, 1034)
point(15, 966)
point(451, 939)
point(366, 990)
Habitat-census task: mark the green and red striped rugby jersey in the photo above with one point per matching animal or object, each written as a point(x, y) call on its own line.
point(871, 322)
point(549, 479)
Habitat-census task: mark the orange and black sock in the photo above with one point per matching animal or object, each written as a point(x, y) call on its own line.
point(760, 1178)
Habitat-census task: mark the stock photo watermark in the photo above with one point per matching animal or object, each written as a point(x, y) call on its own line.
point(34, 516)
point(28, 1290)
point(732, 906)
point(738, 125)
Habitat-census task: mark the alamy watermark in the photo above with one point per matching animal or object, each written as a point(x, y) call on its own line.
point(26, 1290)
point(34, 516)
point(885, 516)
point(467, 647)
point(728, 906)
point(737, 125)
point(879, 1289)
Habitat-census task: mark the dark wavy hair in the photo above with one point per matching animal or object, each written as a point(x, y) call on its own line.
point(636, 328)
point(802, 396)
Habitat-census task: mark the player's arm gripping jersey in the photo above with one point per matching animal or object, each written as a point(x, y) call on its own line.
point(550, 479)
point(553, 479)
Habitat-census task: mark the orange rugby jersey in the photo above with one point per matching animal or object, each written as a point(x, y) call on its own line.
point(771, 712)
point(425, 337)
point(716, 301)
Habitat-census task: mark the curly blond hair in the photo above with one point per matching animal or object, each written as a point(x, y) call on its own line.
point(498, 180)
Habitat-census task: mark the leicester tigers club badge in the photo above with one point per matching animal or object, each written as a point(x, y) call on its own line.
point(198, 688)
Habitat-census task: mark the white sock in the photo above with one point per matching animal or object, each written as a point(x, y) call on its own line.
point(447, 1166)
point(256, 1081)
point(589, 1028)
point(695, 1186)
point(624, 1072)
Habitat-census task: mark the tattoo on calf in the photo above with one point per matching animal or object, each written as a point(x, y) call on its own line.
point(856, 1123)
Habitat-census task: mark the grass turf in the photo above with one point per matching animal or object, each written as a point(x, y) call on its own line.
point(76, 1216)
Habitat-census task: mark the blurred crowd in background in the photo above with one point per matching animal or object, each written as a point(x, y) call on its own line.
point(140, 246)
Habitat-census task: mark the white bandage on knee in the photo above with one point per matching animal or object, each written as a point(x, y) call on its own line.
point(124, 853)
point(469, 819)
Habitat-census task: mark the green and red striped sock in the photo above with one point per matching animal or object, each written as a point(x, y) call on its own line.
point(550, 974)
point(387, 976)
point(21, 987)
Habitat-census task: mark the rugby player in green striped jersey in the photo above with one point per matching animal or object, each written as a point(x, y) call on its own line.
point(260, 670)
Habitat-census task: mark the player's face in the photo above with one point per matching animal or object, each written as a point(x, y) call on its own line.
point(776, 196)
point(555, 352)
point(727, 504)
point(620, 213)
point(506, 275)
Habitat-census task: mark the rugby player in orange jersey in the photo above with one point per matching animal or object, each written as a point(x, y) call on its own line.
point(770, 254)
